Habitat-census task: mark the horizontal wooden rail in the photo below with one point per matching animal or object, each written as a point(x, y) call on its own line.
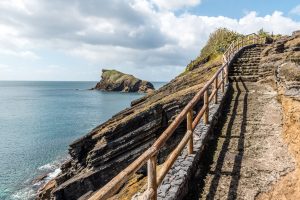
point(219, 79)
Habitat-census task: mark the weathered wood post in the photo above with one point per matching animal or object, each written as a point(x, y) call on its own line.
point(227, 72)
point(206, 104)
point(223, 81)
point(216, 89)
point(152, 185)
point(190, 128)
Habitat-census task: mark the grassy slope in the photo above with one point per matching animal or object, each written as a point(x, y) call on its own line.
point(215, 47)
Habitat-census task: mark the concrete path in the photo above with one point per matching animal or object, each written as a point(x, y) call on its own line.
point(246, 153)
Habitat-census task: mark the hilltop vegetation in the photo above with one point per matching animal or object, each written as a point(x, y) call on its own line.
point(216, 45)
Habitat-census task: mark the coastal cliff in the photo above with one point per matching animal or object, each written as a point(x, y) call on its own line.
point(113, 145)
point(106, 150)
point(113, 80)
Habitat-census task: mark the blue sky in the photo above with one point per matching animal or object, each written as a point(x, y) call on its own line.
point(152, 39)
point(238, 8)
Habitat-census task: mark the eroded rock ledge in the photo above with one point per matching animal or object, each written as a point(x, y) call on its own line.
point(113, 80)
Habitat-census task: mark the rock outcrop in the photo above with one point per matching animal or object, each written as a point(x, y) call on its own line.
point(113, 80)
point(283, 57)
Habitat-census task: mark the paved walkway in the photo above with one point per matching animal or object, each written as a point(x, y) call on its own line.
point(247, 152)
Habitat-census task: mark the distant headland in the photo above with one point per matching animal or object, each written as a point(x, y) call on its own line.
point(113, 80)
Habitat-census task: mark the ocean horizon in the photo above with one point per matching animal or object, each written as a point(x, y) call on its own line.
point(39, 119)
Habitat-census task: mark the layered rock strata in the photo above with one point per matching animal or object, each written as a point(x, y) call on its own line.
point(113, 145)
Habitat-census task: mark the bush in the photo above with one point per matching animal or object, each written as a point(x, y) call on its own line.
point(216, 45)
point(269, 37)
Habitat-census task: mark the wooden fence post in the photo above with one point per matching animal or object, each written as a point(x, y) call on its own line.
point(189, 118)
point(227, 73)
point(206, 103)
point(152, 185)
point(216, 89)
point(223, 81)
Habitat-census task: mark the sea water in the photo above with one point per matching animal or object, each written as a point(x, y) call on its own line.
point(38, 120)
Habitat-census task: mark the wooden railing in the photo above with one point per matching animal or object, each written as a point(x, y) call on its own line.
point(219, 79)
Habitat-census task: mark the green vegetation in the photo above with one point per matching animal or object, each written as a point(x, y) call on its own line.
point(115, 76)
point(267, 35)
point(216, 45)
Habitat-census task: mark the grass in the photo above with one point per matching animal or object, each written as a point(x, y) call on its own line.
point(115, 76)
point(216, 45)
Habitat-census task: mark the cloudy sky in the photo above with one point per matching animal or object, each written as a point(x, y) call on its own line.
point(152, 39)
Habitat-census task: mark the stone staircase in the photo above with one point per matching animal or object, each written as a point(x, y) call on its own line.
point(246, 66)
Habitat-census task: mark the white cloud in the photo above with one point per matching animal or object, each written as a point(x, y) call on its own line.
point(175, 4)
point(27, 55)
point(296, 10)
point(129, 35)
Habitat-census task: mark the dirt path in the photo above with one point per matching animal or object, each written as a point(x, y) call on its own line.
point(247, 153)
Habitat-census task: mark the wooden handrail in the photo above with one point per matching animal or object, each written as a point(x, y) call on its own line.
point(219, 79)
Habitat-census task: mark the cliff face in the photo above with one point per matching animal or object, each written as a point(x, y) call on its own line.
point(113, 80)
point(113, 145)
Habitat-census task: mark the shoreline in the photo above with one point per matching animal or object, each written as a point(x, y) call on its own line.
point(46, 173)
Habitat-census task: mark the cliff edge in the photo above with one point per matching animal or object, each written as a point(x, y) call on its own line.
point(113, 80)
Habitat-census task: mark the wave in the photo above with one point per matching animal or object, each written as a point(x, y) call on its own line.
point(47, 172)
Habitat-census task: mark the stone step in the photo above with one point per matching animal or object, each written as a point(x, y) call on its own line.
point(254, 50)
point(257, 54)
point(245, 65)
point(242, 60)
point(243, 74)
point(248, 58)
point(244, 71)
point(244, 78)
point(246, 62)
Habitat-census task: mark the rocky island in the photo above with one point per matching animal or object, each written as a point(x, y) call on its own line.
point(113, 80)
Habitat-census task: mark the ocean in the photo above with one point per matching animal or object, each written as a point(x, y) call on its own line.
point(39, 119)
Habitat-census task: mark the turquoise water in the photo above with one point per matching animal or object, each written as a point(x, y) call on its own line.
point(37, 122)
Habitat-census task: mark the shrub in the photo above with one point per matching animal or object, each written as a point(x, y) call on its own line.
point(217, 43)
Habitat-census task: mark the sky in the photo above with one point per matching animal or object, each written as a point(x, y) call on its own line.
point(73, 40)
